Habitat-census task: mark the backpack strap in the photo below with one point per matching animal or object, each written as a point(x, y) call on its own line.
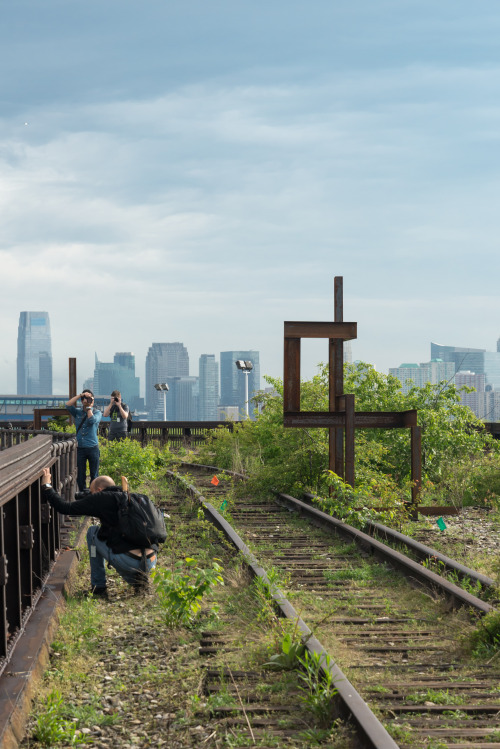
point(81, 423)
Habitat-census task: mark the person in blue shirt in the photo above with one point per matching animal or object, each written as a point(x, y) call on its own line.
point(87, 420)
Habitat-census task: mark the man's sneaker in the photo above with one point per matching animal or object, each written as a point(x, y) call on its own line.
point(99, 592)
point(81, 495)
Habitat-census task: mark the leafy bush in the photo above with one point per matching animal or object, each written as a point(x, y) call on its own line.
point(129, 458)
point(181, 590)
point(454, 444)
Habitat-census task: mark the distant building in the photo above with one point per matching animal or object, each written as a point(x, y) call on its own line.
point(347, 352)
point(163, 361)
point(208, 388)
point(118, 375)
point(88, 384)
point(474, 400)
point(34, 354)
point(434, 372)
point(182, 399)
point(474, 360)
point(489, 405)
point(232, 380)
point(228, 413)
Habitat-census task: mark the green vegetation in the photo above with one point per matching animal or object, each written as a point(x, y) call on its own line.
point(484, 641)
point(180, 590)
point(460, 461)
point(317, 684)
point(129, 458)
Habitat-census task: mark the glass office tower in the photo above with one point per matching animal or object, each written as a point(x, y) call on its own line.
point(209, 388)
point(163, 361)
point(34, 354)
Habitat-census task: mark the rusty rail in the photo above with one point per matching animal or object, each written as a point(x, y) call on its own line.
point(30, 533)
point(372, 733)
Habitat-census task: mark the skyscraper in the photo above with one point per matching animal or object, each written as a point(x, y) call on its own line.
point(434, 372)
point(118, 375)
point(232, 380)
point(34, 354)
point(209, 388)
point(164, 360)
point(476, 360)
point(182, 399)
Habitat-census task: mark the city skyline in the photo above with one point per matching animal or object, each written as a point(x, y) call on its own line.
point(206, 171)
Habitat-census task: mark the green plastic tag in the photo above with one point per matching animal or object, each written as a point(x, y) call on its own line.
point(223, 505)
point(441, 524)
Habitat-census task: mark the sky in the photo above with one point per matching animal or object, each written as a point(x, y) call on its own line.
point(196, 171)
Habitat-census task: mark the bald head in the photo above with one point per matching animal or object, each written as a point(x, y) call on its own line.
point(101, 483)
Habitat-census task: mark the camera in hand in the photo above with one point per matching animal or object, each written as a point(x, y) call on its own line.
point(116, 400)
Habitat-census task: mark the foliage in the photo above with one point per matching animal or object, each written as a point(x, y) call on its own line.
point(52, 727)
point(180, 590)
point(294, 460)
point(129, 458)
point(485, 639)
point(318, 685)
point(60, 423)
point(378, 500)
point(292, 648)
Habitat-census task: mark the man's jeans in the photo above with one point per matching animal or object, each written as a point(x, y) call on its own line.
point(126, 566)
point(84, 454)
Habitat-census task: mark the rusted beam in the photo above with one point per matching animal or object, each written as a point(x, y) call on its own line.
point(346, 331)
point(362, 419)
point(72, 377)
point(349, 439)
point(416, 463)
point(336, 375)
point(291, 379)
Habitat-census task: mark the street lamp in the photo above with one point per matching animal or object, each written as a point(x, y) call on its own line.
point(163, 387)
point(246, 367)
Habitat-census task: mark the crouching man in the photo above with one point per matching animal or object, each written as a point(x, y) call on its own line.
point(116, 541)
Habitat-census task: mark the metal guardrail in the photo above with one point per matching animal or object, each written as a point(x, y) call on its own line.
point(173, 432)
point(163, 432)
point(30, 531)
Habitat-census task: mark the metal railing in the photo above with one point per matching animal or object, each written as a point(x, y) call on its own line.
point(30, 531)
point(174, 432)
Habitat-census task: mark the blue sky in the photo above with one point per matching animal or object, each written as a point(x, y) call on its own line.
point(201, 171)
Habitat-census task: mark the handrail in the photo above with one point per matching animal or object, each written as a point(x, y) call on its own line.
point(30, 532)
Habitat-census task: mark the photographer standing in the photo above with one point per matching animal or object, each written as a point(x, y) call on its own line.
point(87, 421)
point(118, 413)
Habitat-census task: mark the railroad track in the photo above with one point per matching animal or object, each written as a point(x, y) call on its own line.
point(396, 637)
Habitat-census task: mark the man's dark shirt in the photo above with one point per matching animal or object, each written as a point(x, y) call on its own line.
point(102, 505)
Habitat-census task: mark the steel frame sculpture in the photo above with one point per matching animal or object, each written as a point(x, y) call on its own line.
point(341, 419)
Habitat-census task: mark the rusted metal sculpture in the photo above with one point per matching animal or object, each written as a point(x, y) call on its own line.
point(341, 419)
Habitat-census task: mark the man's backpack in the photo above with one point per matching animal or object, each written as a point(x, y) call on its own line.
point(139, 521)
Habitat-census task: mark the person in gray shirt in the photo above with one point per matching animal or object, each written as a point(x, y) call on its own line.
point(118, 413)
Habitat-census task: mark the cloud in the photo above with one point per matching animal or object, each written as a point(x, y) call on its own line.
point(220, 197)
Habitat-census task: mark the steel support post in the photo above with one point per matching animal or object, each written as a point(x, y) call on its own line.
point(416, 467)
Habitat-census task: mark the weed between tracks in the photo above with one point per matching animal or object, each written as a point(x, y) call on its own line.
point(119, 677)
